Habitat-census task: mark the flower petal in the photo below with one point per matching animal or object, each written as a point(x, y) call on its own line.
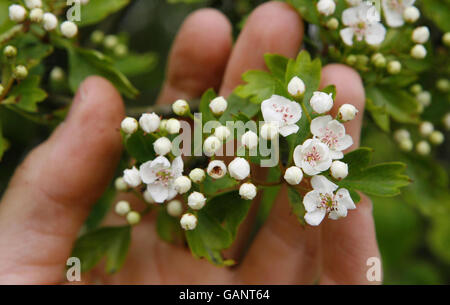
point(288, 130)
point(347, 36)
point(337, 128)
point(316, 217)
point(394, 18)
point(375, 34)
point(298, 155)
point(344, 143)
point(311, 201)
point(336, 155)
point(350, 16)
point(158, 191)
point(340, 211)
point(177, 166)
point(323, 185)
point(343, 197)
point(268, 110)
point(148, 175)
point(319, 124)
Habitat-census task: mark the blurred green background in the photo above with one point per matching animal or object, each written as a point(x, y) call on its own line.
point(413, 230)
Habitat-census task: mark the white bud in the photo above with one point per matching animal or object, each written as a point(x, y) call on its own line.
point(163, 125)
point(10, 51)
point(180, 107)
point(418, 52)
point(175, 208)
point(120, 50)
point(218, 105)
point(250, 140)
point(421, 35)
point(222, 132)
point(248, 191)
point(162, 146)
point(148, 197)
point(426, 128)
point(446, 39)
point(239, 168)
point(182, 184)
point(129, 125)
point(188, 222)
point(321, 102)
point(50, 22)
point(401, 134)
point(149, 122)
point(133, 218)
point(424, 98)
point(326, 7)
point(436, 137)
point(406, 145)
point(97, 36)
point(197, 175)
point(443, 85)
point(216, 169)
point(347, 112)
point(423, 148)
point(120, 184)
point(211, 145)
point(132, 177)
point(416, 88)
point(293, 175)
point(339, 170)
point(33, 3)
point(296, 87)
point(17, 13)
point(333, 24)
point(57, 74)
point(69, 29)
point(1, 89)
point(173, 126)
point(196, 201)
point(269, 131)
point(446, 121)
point(394, 67)
point(36, 15)
point(122, 208)
point(411, 14)
point(110, 41)
point(20, 72)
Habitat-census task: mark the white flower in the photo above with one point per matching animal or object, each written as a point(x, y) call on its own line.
point(222, 132)
point(216, 169)
point(120, 184)
point(180, 107)
point(312, 157)
point(394, 67)
point(436, 137)
point(347, 112)
point(174, 208)
point(284, 112)
point(188, 222)
point(423, 148)
point(321, 102)
point(248, 191)
point(173, 126)
point(426, 128)
point(132, 177)
point(326, 7)
point(339, 170)
point(182, 184)
point(411, 14)
point(293, 175)
point(122, 208)
point(196, 201)
point(296, 87)
point(36, 15)
point(250, 140)
point(401, 134)
point(322, 200)
point(362, 22)
point(211, 145)
point(17, 13)
point(133, 218)
point(149, 122)
point(424, 98)
point(418, 52)
point(239, 168)
point(197, 175)
point(69, 29)
point(331, 133)
point(218, 105)
point(159, 175)
point(406, 145)
point(33, 3)
point(162, 146)
point(50, 22)
point(353, 2)
point(393, 11)
point(269, 131)
point(446, 121)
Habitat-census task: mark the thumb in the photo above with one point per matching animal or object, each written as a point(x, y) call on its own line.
point(52, 191)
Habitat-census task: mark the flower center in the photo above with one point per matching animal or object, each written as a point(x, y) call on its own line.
point(164, 176)
point(313, 156)
point(329, 138)
point(284, 110)
point(327, 202)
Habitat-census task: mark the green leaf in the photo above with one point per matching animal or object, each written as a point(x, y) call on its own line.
point(307, 10)
point(207, 97)
point(238, 106)
point(26, 94)
point(379, 115)
point(212, 186)
point(260, 85)
point(84, 63)
point(100, 209)
point(277, 65)
point(112, 242)
point(296, 202)
point(140, 146)
point(4, 144)
point(31, 50)
point(168, 227)
point(136, 64)
point(97, 10)
point(383, 179)
point(438, 11)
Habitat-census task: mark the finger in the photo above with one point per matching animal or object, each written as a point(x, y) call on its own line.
point(300, 247)
point(51, 193)
point(349, 242)
point(198, 57)
point(273, 27)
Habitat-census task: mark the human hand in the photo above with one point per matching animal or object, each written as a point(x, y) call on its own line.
point(51, 193)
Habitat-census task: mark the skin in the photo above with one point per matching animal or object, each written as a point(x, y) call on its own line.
point(53, 190)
